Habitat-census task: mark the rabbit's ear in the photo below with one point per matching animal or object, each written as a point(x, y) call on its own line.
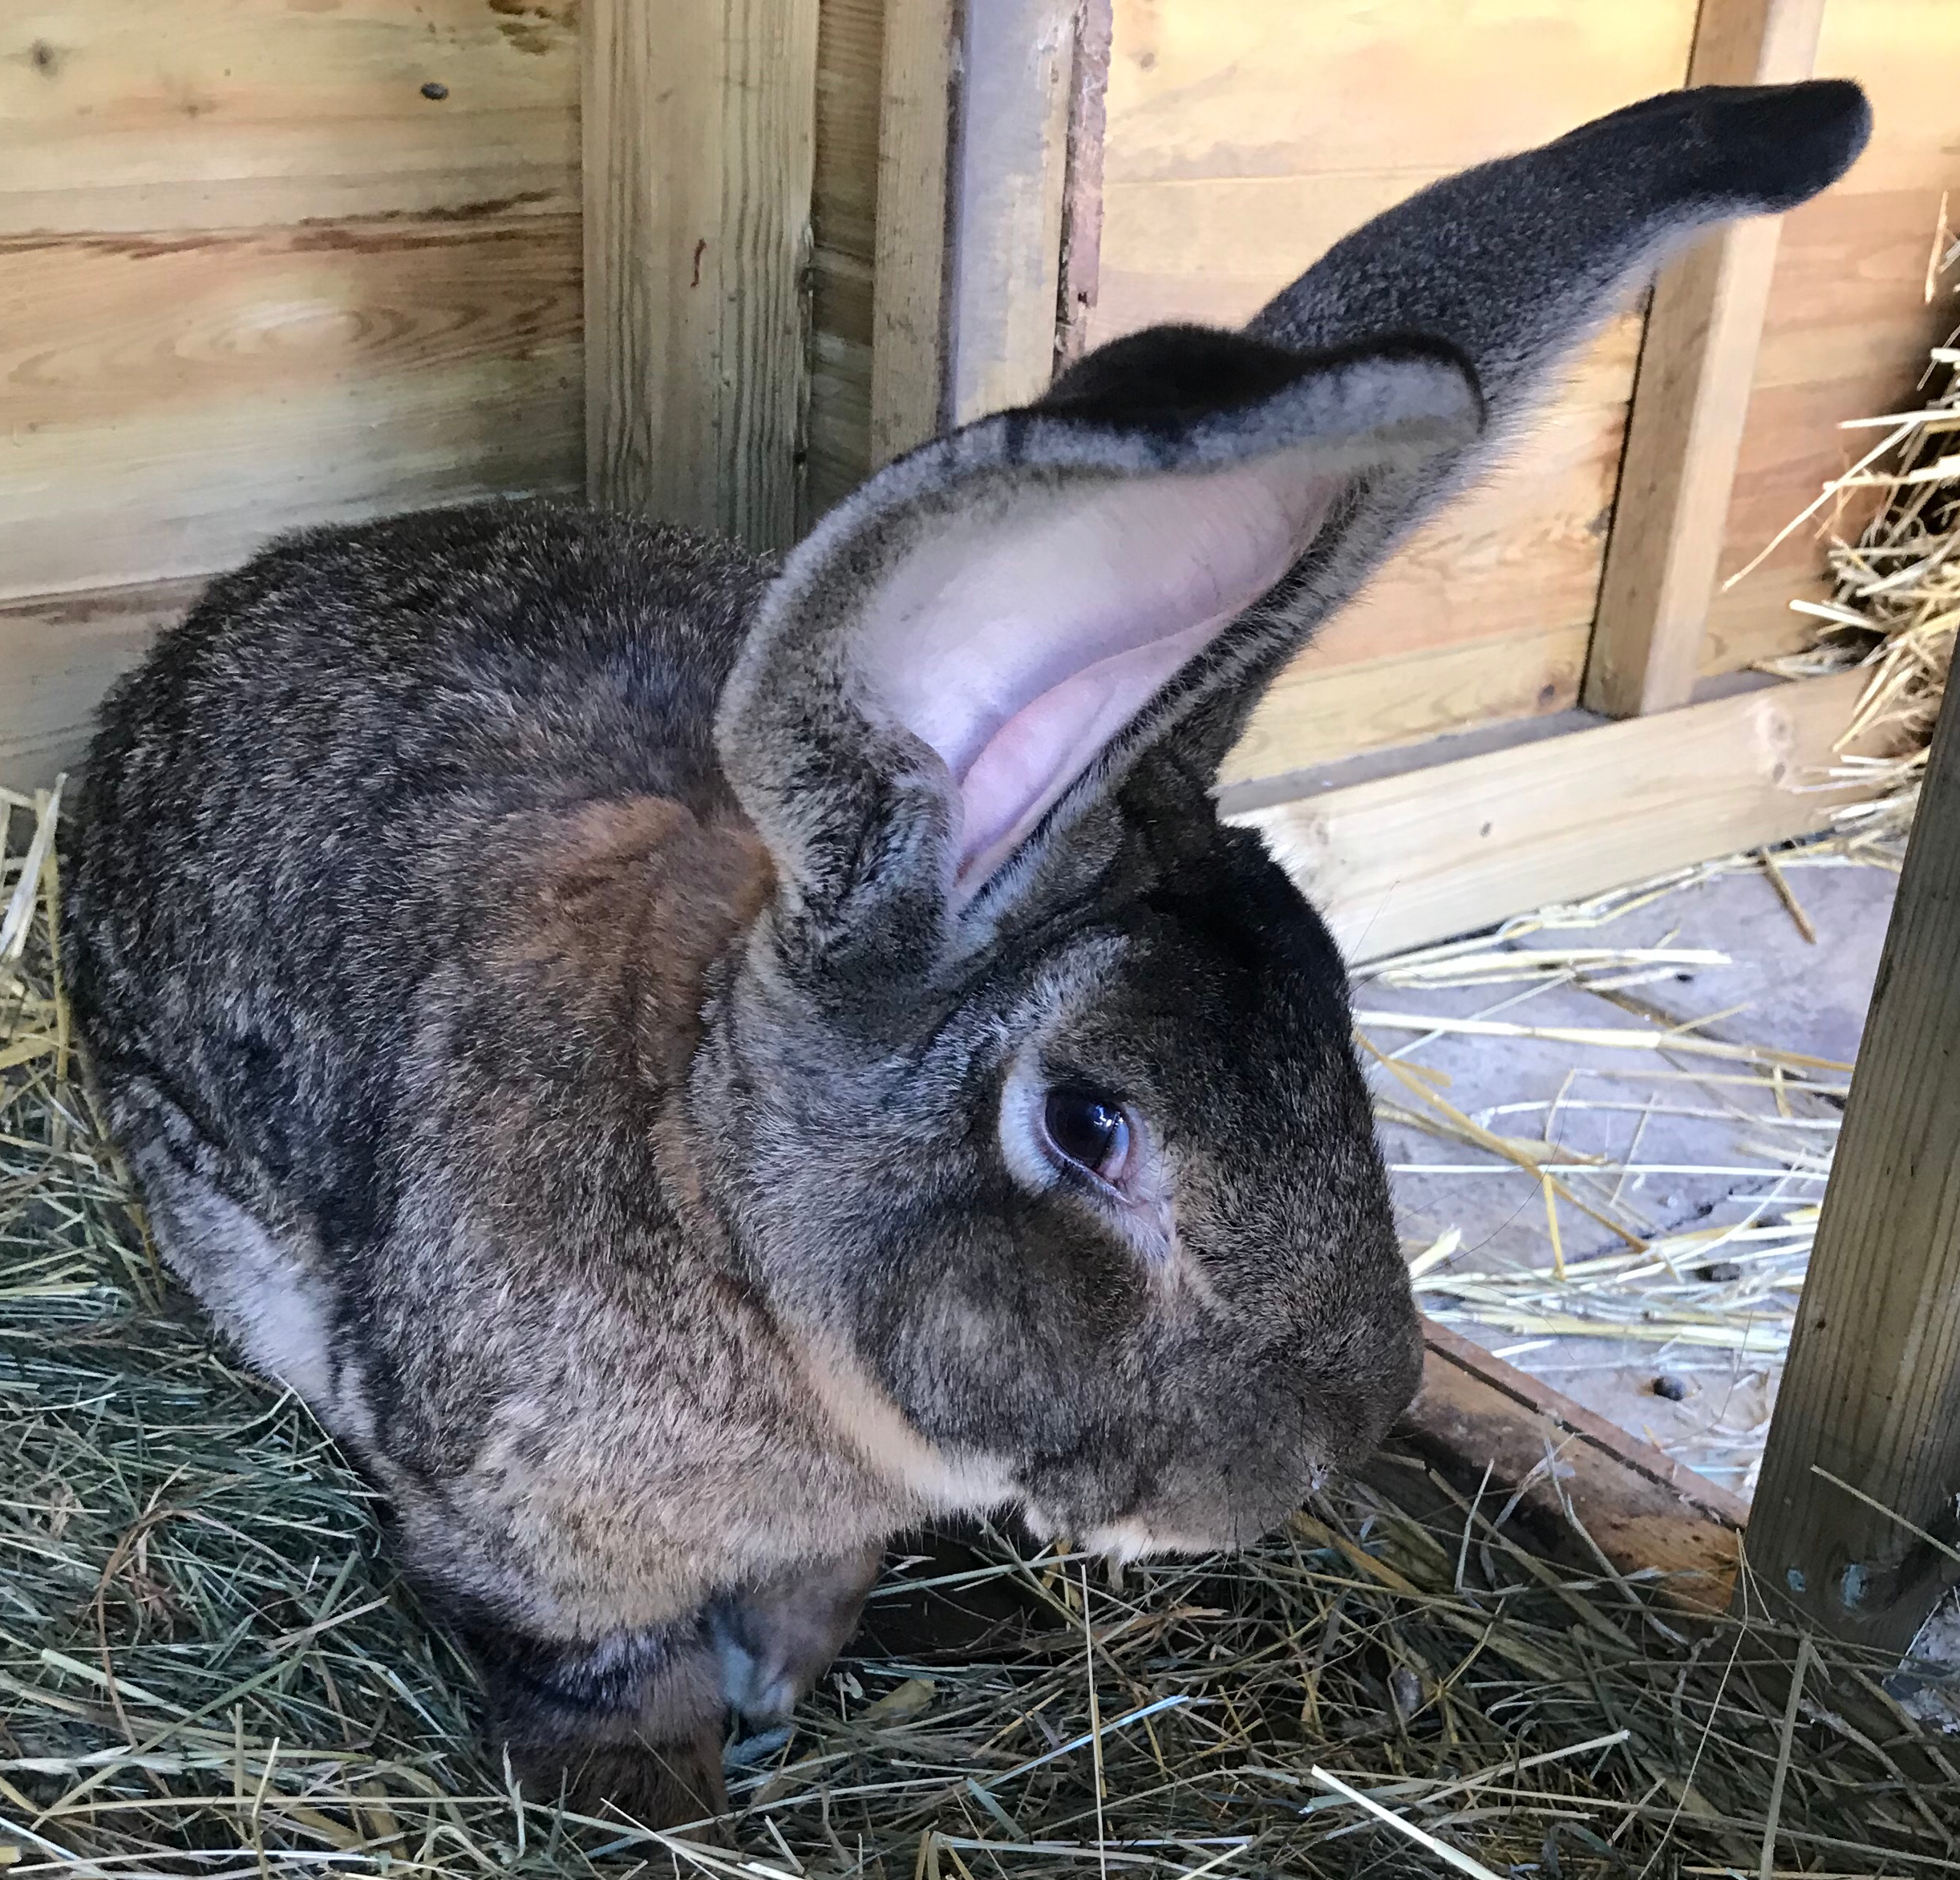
point(985, 624)
point(1510, 261)
point(1515, 262)
point(986, 635)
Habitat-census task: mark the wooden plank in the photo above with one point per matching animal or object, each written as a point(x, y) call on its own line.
point(1846, 337)
point(1690, 398)
point(1228, 171)
point(843, 198)
point(839, 429)
point(60, 654)
point(1291, 122)
point(246, 113)
point(1409, 858)
point(169, 401)
point(699, 128)
point(1871, 1393)
point(1643, 1509)
point(1082, 195)
point(909, 340)
point(1009, 191)
point(1848, 321)
point(1315, 714)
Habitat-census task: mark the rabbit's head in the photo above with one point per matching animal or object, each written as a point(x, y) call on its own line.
point(1032, 1090)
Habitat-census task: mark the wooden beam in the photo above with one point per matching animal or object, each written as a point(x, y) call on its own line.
point(1405, 860)
point(1082, 197)
point(1641, 1508)
point(1009, 195)
point(916, 119)
point(1690, 398)
point(699, 134)
point(1871, 1394)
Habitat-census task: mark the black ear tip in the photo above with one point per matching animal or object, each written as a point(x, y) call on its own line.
point(1789, 142)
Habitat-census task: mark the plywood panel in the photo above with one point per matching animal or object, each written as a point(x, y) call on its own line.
point(203, 391)
point(1848, 321)
point(1243, 142)
point(121, 114)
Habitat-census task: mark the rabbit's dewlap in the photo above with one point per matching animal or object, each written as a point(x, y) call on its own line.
point(689, 1068)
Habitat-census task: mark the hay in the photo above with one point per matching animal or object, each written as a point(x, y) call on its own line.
point(1893, 612)
point(208, 1667)
point(1769, 1115)
point(1896, 596)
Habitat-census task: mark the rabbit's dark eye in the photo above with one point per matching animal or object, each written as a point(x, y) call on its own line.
point(1087, 1129)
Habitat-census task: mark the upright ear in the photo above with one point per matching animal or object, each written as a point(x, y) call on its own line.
point(990, 624)
point(1515, 262)
point(983, 637)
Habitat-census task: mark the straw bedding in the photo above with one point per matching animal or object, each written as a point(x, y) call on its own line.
point(1719, 1299)
point(207, 1666)
point(1895, 601)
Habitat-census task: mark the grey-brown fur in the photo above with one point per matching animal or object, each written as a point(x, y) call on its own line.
point(526, 955)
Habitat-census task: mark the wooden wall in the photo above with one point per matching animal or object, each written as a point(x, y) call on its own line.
point(844, 228)
point(1244, 140)
point(253, 277)
point(256, 276)
point(1849, 321)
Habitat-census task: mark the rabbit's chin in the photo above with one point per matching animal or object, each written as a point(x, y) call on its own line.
point(1143, 1536)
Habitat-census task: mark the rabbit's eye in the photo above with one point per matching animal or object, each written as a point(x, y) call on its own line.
point(1088, 1128)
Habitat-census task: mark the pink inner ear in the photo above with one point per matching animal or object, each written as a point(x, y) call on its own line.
point(1018, 643)
point(1058, 734)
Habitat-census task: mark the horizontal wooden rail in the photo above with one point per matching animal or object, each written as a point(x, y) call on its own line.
point(1406, 860)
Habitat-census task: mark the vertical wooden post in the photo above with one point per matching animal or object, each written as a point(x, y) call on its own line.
point(1082, 202)
point(917, 119)
point(1872, 1390)
point(1009, 192)
point(1691, 397)
point(699, 139)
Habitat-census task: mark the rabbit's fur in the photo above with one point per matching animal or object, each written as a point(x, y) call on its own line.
point(587, 1009)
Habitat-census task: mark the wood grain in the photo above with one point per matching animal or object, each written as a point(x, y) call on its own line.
point(850, 52)
point(1848, 321)
point(60, 654)
point(1691, 400)
point(1484, 1424)
point(1442, 850)
point(1315, 714)
point(171, 401)
point(1018, 67)
point(1871, 1393)
point(233, 114)
point(909, 353)
point(1334, 88)
point(1243, 142)
point(699, 128)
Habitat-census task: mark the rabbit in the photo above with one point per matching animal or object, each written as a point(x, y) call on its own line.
point(690, 1066)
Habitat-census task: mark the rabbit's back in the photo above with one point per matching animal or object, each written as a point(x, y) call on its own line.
point(296, 809)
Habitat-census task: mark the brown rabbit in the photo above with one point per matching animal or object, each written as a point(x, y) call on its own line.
point(688, 1067)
